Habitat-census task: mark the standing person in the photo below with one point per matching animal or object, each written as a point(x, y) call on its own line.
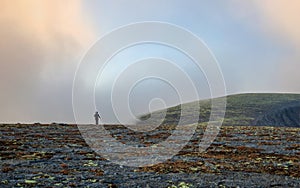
point(97, 117)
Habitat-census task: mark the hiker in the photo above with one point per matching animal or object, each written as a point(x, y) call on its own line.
point(97, 117)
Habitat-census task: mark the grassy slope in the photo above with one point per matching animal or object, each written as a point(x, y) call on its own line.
point(242, 109)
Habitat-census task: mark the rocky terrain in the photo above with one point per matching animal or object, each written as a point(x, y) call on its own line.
point(283, 115)
point(56, 155)
point(258, 146)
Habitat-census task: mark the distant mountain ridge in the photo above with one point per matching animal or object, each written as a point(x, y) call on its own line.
point(252, 109)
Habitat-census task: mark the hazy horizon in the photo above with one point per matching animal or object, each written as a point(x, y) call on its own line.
point(141, 114)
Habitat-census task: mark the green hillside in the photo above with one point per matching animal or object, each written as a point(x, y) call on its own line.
point(267, 109)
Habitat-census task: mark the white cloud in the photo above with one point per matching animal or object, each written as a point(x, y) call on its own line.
point(277, 21)
point(40, 43)
point(283, 19)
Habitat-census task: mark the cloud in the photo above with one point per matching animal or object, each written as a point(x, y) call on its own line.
point(282, 18)
point(274, 18)
point(276, 21)
point(41, 42)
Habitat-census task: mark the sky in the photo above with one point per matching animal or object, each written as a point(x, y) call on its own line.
point(42, 42)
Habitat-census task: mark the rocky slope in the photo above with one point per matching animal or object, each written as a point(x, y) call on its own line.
point(57, 156)
point(256, 109)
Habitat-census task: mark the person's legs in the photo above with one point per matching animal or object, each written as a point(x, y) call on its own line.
point(97, 121)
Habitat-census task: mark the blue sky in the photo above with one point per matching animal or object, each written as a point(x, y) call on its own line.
point(244, 45)
point(255, 42)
